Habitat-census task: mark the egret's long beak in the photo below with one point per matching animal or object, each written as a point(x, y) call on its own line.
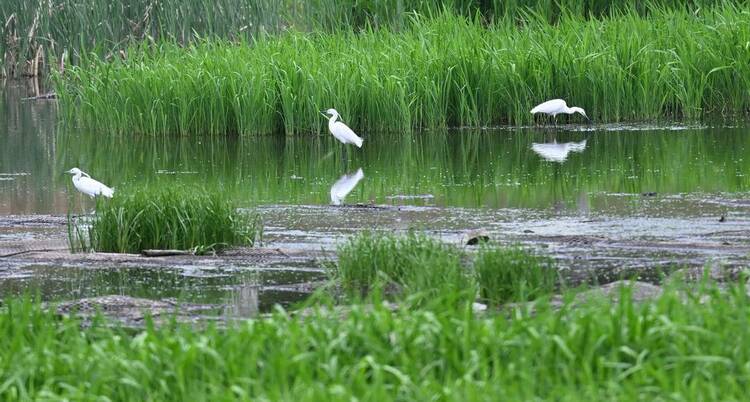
point(324, 113)
point(68, 171)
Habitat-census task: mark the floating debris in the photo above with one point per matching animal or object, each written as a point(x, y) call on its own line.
point(474, 237)
point(410, 197)
point(161, 171)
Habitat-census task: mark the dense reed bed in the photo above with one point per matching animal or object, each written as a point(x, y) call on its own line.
point(447, 71)
point(675, 348)
point(36, 36)
point(173, 217)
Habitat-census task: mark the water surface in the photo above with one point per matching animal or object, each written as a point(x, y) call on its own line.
point(629, 183)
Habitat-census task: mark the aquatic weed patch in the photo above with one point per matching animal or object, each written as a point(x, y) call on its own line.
point(414, 262)
point(513, 274)
point(675, 347)
point(446, 71)
point(173, 217)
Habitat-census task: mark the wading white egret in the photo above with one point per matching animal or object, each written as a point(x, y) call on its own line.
point(85, 184)
point(556, 106)
point(341, 131)
point(555, 152)
point(344, 186)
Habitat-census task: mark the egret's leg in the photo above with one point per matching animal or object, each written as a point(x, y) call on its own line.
point(344, 158)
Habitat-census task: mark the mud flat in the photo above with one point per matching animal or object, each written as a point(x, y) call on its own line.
point(667, 234)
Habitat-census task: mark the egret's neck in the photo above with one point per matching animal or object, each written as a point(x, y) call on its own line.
point(77, 176)
point(332, 120)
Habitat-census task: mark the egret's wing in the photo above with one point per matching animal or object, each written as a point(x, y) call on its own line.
point(345, 134)
point(92, 187)
point(344, 186)
point(552, 152)
point(551, 106)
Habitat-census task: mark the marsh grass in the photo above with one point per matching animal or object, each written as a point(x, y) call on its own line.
point(513, 274)
point(411, 264)
point(172, 217)
point(678, 347)
point(445, 71)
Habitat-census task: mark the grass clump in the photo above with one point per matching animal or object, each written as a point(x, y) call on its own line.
point(513, 274)
point(675, 348)
point(414, 263)
point(173, 217)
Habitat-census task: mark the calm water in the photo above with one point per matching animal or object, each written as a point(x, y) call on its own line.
point(490, 168)
point(574, 171)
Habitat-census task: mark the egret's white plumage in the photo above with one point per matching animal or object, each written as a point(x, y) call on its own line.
point(556, 106)
point(341, 131)
point(557, 152)
point(85, 184)
point(344, 186)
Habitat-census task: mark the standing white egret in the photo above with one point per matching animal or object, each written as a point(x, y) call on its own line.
point(341, 131)
point(557, 152)
point(556, 106)
point(344, 186)
point(85, 184)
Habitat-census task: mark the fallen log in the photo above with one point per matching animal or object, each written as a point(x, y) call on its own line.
point(165, 253)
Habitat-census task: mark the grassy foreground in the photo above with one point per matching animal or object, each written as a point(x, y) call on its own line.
point(164, 217)
point(442, 72)
point(674, 348)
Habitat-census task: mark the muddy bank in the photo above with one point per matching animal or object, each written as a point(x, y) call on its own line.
point(665, 235)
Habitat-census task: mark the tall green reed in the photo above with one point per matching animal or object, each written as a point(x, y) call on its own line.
point(447, 71)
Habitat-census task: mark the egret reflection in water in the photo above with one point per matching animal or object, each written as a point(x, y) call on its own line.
point(344, 186)
point(557, 152)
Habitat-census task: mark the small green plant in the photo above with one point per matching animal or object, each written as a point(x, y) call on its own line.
point(175, 217)
point(513, 274)
point(413, 263)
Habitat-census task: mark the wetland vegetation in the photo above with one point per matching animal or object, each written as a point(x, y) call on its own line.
point(202, 113)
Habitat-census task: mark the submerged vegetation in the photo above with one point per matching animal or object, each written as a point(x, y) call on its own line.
point(447, 71)
point(676, 347)
point(36, 36)
point(176, 218)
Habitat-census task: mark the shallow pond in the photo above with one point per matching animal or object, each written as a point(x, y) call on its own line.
point(598, 196)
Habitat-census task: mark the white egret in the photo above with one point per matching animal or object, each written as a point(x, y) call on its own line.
point(557, 152)
point(556, 106)
point(85, 184)
point(341, 131)
point(344, 186)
